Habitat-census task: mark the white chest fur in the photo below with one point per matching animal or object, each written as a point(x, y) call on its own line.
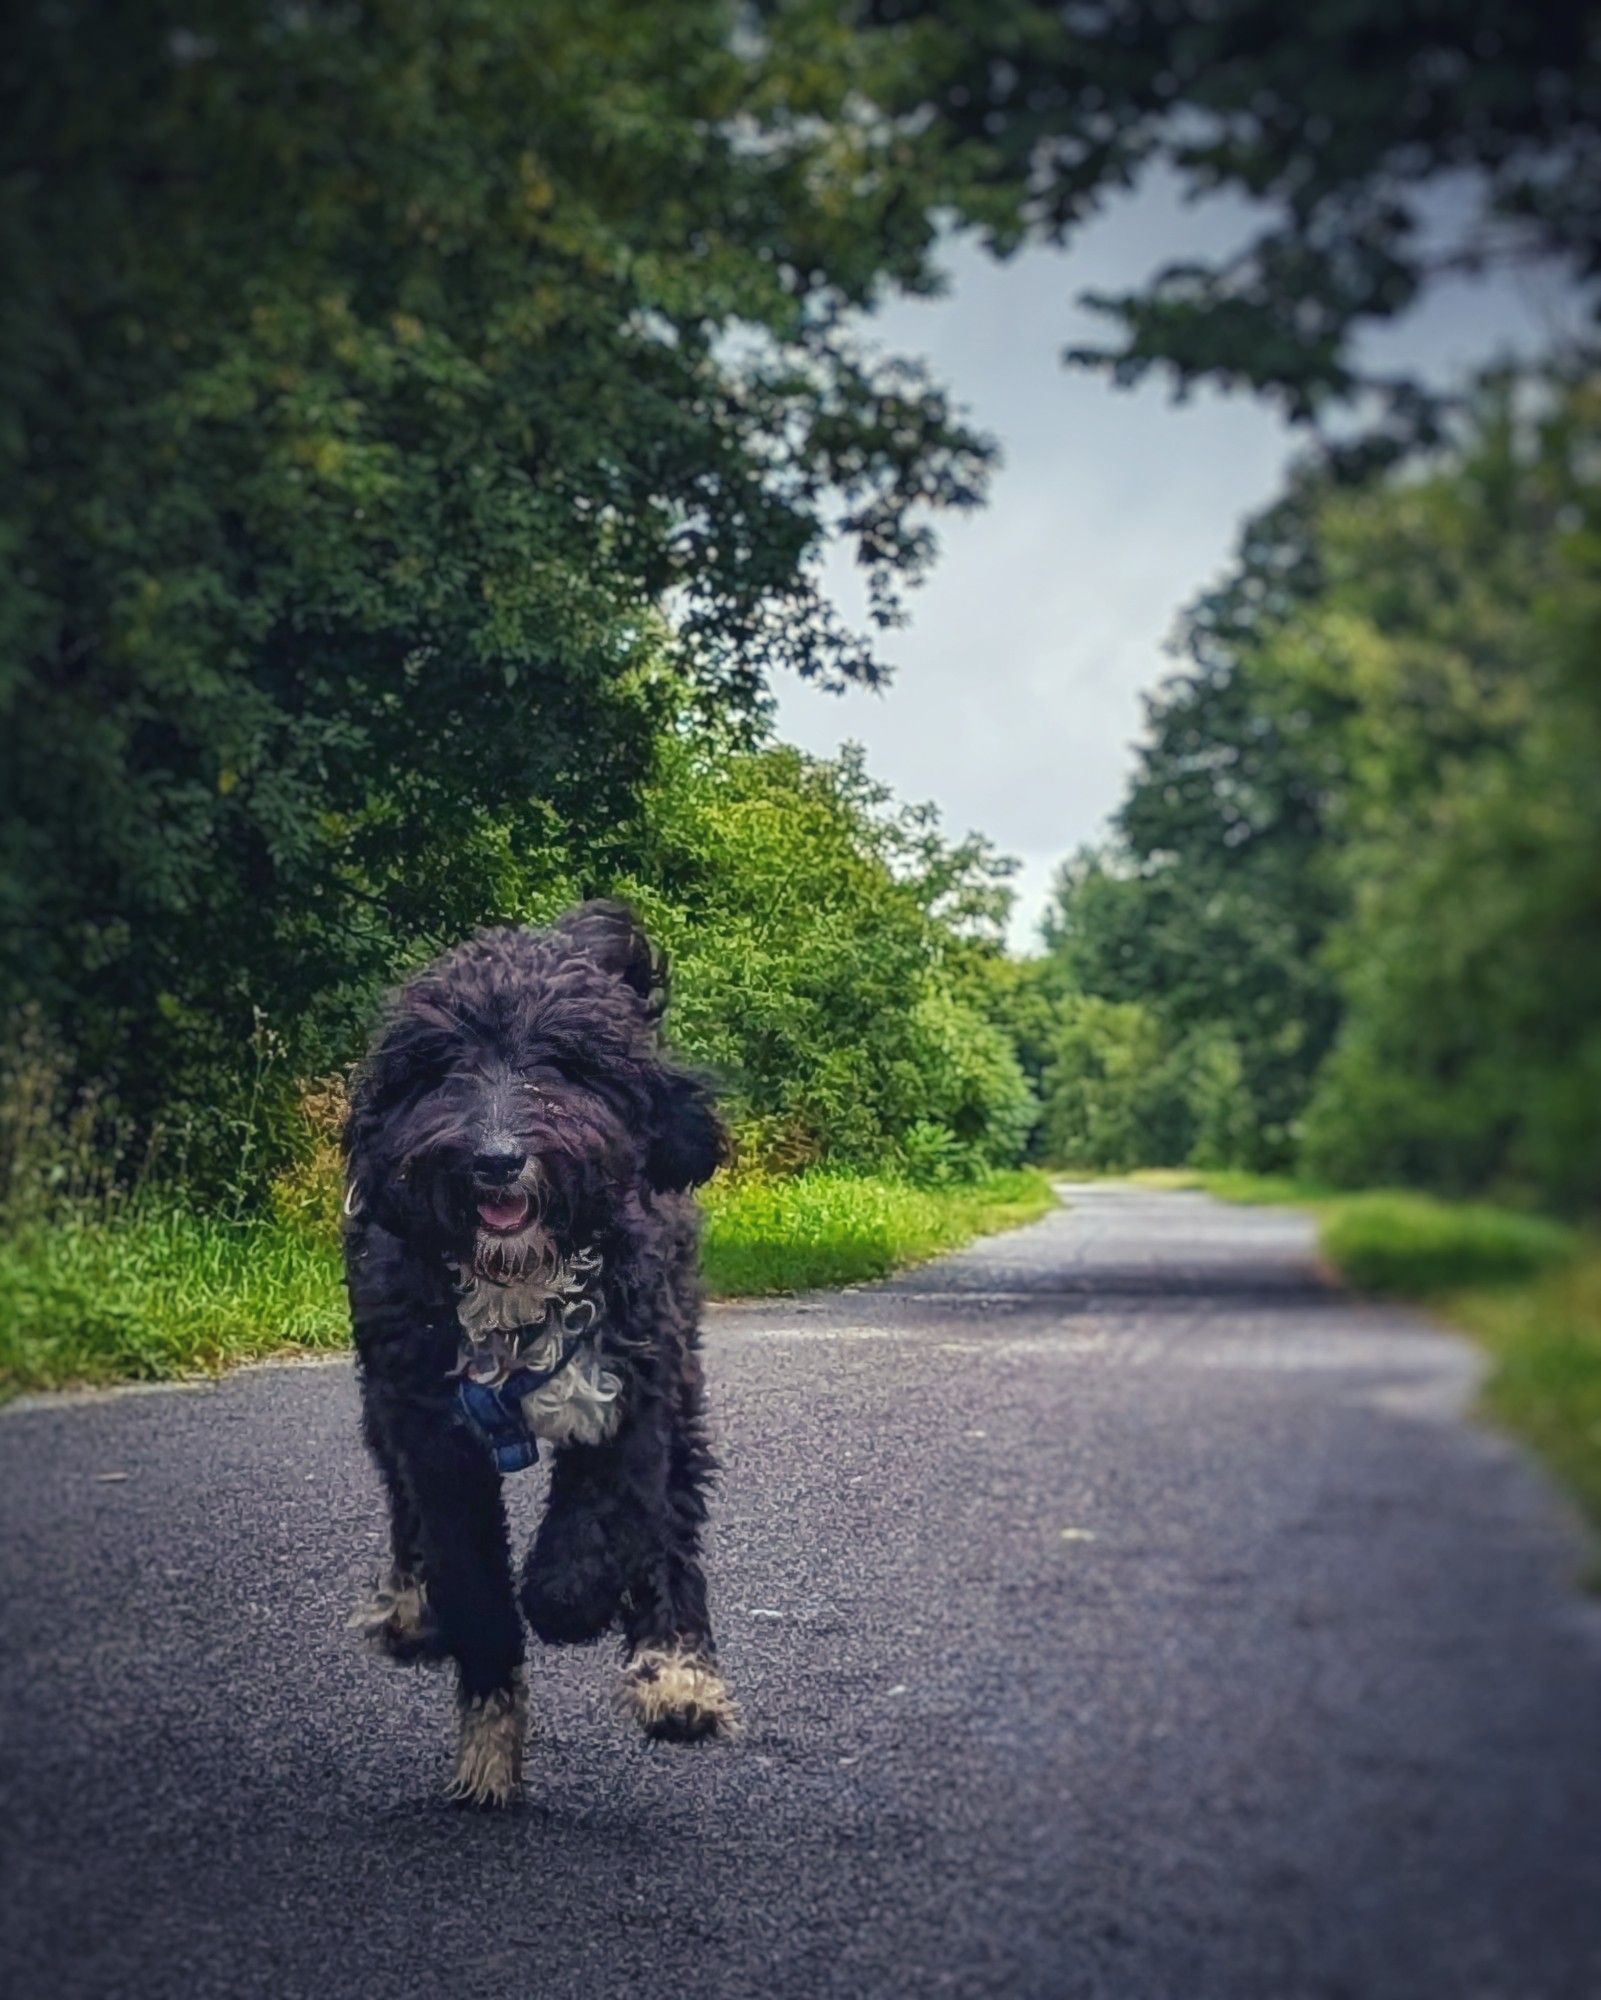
point(514, 1325)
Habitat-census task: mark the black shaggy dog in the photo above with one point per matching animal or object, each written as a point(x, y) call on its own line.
point(521, 1256)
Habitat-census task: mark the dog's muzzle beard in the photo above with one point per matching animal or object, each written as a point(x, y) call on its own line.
point(508, 1258)
point(513, 1239)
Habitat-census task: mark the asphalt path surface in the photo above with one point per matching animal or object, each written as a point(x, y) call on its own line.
point(1116, 1610)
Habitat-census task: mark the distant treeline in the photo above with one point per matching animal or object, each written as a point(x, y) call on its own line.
point(1350, 920)
point(1349, 923)
point(835, 960)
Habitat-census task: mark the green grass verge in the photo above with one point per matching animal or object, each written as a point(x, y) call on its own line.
point(1260, 1190)
point(157, 1290)
point(160, 1291)
point(1545, 1336)
point(1527, 1289)
point(1406, 1243)
point(835, 1229)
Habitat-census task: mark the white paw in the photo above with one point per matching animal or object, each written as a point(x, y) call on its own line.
point(397, 1618)
point(677, 1696)
point(489, 1751)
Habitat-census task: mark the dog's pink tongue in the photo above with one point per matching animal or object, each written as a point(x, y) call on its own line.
point(507, 1213)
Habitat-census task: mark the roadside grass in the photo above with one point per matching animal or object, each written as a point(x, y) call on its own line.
point(786, 1235)
point(153, 1289)
point(160, 1290)
point(1526, 1288)
point(1234, 1184)
point(1545, 1336)
point(1409, 1244)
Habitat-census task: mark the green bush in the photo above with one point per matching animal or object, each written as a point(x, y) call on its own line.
point(1106, 1104)
point(1120, 1091)
point(810, 929)
point(971, 1084)
point(1223, 1122)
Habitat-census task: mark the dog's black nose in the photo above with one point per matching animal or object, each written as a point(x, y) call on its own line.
point(499, 1166)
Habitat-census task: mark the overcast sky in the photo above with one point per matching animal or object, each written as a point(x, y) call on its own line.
point(1016, 699)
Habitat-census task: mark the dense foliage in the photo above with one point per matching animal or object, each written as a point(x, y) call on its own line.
point(837, 964)
point(372, 376)
point(824, 945)
point(375, 378)
point(1359, 865)
point(1382, 145)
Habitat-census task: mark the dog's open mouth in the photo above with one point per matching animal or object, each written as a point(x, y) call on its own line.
point(504, 1214)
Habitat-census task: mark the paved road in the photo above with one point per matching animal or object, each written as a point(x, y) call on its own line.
point(1117, 1612)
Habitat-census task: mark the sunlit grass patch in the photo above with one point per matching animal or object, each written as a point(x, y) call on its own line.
point(1412, 1244)
point(779, 1235)
point(160, 1290)
point(1231, 1184)
point(1261, 1190)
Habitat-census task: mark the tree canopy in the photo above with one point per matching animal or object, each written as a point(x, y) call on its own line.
point(1362, 846)
point(419, 415)
point(1381, 146)
point(375, 378)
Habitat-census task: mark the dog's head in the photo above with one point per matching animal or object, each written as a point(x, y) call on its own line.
point(517, 1094)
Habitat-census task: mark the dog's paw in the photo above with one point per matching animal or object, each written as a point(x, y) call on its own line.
point(396, 1618)
point(677, 1696)
point(572, 1606)
point(489, 1750)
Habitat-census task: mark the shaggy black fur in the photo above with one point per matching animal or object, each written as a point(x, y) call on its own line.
point(522, 1072)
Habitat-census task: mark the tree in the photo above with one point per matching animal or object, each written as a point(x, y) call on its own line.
point(1381, 145)
point(1213, 902)
point(1356, 881)
point(376, 380)
point(820, 959)
point(373, 377)
point(1465, 613)
point(1111, 1099)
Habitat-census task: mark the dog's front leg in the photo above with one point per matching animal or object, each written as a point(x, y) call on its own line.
point(462, 1531)
point(671, 1685)
point(396, 1616)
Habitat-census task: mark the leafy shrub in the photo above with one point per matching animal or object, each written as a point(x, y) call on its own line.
point(932, 1156)
point(1114, 1095)
point(971, 1086)
point(306, 1194)
point(808, 922)
point(1222, 1117)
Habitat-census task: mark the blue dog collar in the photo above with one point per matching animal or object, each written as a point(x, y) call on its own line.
point(495, 1409)
point(495, 1413)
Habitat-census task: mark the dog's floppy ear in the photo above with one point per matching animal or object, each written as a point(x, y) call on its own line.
point(364, 1179)
point(687, 1140)
point(410, 1045)
point(609, 933)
